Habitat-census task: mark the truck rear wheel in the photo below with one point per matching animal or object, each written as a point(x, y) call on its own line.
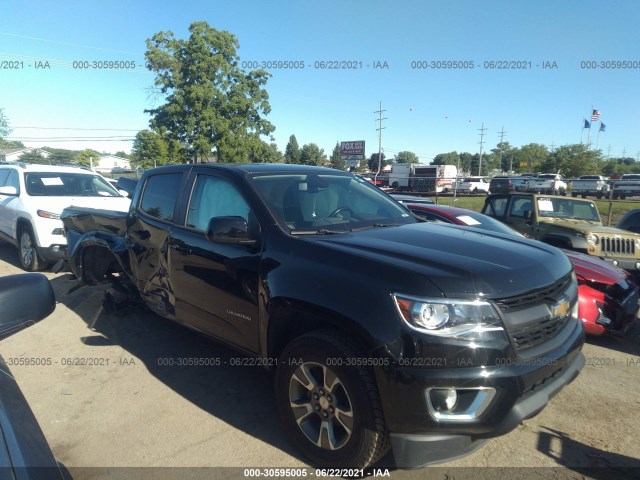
point(330, 407)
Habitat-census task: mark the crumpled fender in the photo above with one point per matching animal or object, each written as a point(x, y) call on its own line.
point(96, 243)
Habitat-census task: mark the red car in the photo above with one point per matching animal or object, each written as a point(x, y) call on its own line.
point(607, 295)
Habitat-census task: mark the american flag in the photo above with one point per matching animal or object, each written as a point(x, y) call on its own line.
point(595, 115)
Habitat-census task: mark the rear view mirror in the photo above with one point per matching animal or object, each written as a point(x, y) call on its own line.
point(528, 215)
point(26, 299)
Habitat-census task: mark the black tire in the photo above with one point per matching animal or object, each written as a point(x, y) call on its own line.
point(394, 185)
point(27, 252)
point(337, 401)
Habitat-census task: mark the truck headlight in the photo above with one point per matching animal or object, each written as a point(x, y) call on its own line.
point(473, 320)
point(592, 239)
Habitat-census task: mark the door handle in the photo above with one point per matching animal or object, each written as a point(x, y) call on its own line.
point(181, 249)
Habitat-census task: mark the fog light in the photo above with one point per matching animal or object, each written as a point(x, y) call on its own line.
point(615, 263)
point(637, 265)
point(444, 399)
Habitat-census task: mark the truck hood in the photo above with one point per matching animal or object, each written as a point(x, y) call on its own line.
point(57, 204)
point(583, 226)
point(462, 262)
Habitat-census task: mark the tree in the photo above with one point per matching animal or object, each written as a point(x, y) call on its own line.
point(87, 158)
point(263, 152)
point(573, 161)
point(292, 151)
point(122, 154)
point(373, 164)
point(450, 158)
point(211, 104)
point(5, 129)
point(33, 157)
point(149, 149)
point(311, 154)
point(336, 158)
point(531, 158)
point(406, 157)
point(60, 155)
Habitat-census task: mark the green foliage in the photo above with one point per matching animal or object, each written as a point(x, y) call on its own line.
point(87, 157)
point(573, 161)
point(292, 151)
point(263, 152)
point(149, 149)
point(5, 129)
point(373, 164)
point(60, 155)
point(123, 154)
point(406, 157)
point(212, 106)
point(336, 158)
point(531, 158)
point(451, 158)
point(5, 144)
point(33, 157)
point(311, 154)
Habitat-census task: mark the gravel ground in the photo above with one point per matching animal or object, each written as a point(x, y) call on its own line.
point(122, 411)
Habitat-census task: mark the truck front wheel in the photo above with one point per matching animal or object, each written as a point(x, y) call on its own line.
point(329, 402)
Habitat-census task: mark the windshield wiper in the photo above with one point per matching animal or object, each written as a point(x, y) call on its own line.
point(320, 231)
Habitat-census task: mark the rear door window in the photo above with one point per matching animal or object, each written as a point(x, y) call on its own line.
point(160, 196)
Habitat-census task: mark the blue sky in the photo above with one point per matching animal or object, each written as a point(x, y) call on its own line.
point(427, 111)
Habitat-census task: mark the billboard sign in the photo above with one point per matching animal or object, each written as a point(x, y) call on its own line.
point(352, 150)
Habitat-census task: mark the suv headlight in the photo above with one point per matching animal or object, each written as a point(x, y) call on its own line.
point(471, 320)
point(592, 239)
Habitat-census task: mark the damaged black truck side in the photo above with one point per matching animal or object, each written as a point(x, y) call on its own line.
point(382, 331)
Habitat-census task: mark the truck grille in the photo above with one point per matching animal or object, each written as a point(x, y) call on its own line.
point(538, 333)
point(529, 325)
point(617, 246)
point(533, 297)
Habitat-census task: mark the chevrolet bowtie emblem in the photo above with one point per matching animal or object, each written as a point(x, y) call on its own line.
point(560, 309)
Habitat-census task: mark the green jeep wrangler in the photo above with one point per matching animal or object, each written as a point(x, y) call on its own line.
point(569, 223)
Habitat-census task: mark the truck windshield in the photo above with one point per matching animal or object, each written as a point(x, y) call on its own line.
point(56, 184)
point(327, 203)
point(567, 208)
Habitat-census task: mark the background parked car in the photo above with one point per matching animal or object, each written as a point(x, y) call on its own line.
point(508, 184)
point(404, 199)
point(630, 221)
point(473, 185)
point(32, 198)
point(607, 295)
point(25, 299)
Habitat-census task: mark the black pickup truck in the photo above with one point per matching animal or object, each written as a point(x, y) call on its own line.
point(382, 331)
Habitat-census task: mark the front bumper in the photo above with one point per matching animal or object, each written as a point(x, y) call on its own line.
point(629, 264)
point(418, 450)
point(522, 389)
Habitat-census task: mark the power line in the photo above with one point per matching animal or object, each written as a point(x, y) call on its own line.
point(40, 39)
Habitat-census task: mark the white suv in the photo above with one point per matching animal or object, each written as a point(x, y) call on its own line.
point(32, 198)
point(473, 185)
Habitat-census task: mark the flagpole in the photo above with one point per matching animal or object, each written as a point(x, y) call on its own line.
point(598, 137)
point(589, 136)
point(582, 130)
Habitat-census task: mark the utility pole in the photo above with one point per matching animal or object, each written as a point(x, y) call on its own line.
point(379, 129)
point(624, 153)
point(609, 152)
point(481, 142)
point(501, 132)
point(553, 146)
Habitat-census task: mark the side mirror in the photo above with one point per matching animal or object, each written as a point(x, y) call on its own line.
point(229, 230)
point(8, 190)
point(26, 299)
